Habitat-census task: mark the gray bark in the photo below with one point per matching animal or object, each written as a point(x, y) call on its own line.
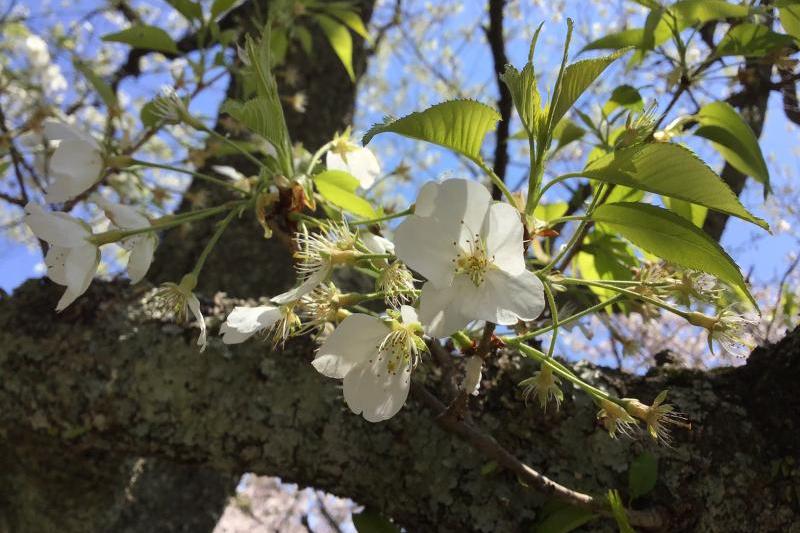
point(108, 380)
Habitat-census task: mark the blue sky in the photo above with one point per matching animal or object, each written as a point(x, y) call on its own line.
point(763, 256)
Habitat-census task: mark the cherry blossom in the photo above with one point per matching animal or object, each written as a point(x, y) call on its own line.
point(76, 163)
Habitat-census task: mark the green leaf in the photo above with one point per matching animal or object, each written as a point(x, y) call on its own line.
point(263, 117)
point(148, 115)
point(789, 13)
point(190, 10)
point(752, 40)
point(105, 91)
point(565, 132)
point(671, 237)
point(617, 41)
point(144, 37)
point(696, 214)
point(220, 6)
point(732, 137)
point(670, 170)
point(607, 257)
point(368, 521)
point(624, 96)
point(619, 513)
point(351, 19)
point(642, 475)
point(340, 40)
point(686, 13)
point(577, 78)
point(338, 187)
point(304, 36)
point(548, 212)
point(459, 125)
point(525, 95)
point(560, 517)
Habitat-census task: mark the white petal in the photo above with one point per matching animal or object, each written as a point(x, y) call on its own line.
point(80, 266)
point(355, 340)
point(375, 243)
point(364, 166)
point(301, 290)
point(243, 322)
point(59, 229)
point(503, 298)
point(228, 172)
point(375, 393)
point(194, 306)
point(464, 202)
point(427, 247)
point(440, 310)
point(123, 216)
point(408, 314)
point(75, 166)
point(360, 162)
point(141, 257)
point(472, 375)
point(426, 199)
point(56, 262)
point(59, 131)
point(502, 231)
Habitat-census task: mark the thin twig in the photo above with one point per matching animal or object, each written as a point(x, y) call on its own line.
point(487, 445)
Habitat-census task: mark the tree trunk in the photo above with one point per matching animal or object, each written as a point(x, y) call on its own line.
point(107, 381)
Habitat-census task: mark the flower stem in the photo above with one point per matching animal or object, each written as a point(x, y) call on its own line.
point(495, 179)
point(562, 371)
point(233, 145)
point(627, 292)
point(317, 155)
point(163, 223)
point(572, 318)
point(213, 242)
point(407, 212)
point(199, 175)
point(551, 302)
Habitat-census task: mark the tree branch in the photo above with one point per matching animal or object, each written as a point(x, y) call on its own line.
point(494, 34)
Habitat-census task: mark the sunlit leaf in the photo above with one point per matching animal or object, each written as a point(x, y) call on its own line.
point(618, 512)
point(525, 94)
point(732, 137)
point(190, 10)
point(144, 37)
point(670, 170)
point(696, 214)
point(351, 19)
point(105, 91)
point(752, 40)
point(221, 6)
point(671, 237)
point(624, 96)
point(459, 125)
point(341, 41)
point(338, 187)
point(566, 132)
point(577, 78)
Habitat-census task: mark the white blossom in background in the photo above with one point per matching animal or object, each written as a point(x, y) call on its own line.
point(470, 249)
point(71, 259)
point(141, 246)
point(374, 360)
point(38, 54)
point(76, 163)
point(357, 160)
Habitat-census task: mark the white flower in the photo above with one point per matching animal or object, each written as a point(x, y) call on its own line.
point(734, 333)
point(317, 253)
point(76, 164)
point(180, 300)
point(470, 250)
point(374, 360)
point(242, 323)
point(72, 259)
point(357, 160)
point(141, 246)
